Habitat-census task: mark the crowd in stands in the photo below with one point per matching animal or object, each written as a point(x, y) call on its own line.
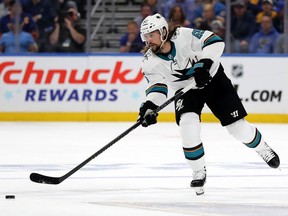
point(41, 26)
point(256, 26)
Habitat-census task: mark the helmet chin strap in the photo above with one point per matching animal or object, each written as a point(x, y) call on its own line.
point(162, 41)
point(160, 47)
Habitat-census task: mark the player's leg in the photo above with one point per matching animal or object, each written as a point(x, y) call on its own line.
point(252, 138)
point(187, 109)
point(193, 149)
point(225, 103)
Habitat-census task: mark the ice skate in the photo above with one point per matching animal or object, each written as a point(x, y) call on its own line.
point(269, 156)
point(199, 179)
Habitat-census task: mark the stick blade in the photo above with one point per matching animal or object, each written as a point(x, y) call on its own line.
point(38, 178)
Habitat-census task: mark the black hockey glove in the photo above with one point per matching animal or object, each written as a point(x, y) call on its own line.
point(202, 76)
point(147, 114)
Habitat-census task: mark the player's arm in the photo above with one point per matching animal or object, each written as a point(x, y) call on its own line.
point(156, 94)
point(212, 48)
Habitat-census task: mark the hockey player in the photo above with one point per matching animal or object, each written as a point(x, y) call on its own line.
point(177, 56)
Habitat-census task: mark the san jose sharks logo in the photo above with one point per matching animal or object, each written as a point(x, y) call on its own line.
point(179, 104)
point(185, 73)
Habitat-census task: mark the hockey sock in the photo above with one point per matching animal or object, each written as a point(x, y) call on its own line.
point(256, 141)
point(245, 132)
point(192, 145)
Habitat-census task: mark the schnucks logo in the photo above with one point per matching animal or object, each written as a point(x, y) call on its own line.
point(34, 74)
point(61, 84)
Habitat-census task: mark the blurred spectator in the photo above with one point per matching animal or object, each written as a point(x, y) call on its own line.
point(280, 45)
point(16, 40)
point(253, 6)
point(218, 28)
point(278, 21)
point(68, 36)
point(219, 8)
point(80, 6)
point(243, 26)
point(256, 2)
point(16, 8)
point(208, 16)
point(145, 11)
point(153, 4)
point(279, 5)
point(24, 2)
point(57, 4)
point(43, 14)
point(178, 17)
point(131, 41)
point(264, 40)
point(4, 8)
point(188, 7)
point(267, 9)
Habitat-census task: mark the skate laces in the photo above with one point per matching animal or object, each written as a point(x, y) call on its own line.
point(200, 174)
point(266, 153)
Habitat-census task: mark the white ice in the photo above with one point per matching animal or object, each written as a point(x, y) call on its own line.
point(144, 173)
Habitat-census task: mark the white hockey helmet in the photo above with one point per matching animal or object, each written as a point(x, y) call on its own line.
point(152, 23)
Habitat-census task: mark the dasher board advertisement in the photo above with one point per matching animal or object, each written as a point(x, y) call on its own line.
point(115, 84)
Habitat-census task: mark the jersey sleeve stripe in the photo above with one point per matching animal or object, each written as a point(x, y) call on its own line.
point(160, 88)
point(212, 39)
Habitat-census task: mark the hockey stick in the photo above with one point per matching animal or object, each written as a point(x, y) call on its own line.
point(38, 178)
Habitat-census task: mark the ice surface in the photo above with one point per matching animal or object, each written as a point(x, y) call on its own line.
point(144, 173)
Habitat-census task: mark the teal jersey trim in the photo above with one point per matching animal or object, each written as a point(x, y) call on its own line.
point(160, 88)
point(212, 39)
point(168, 56)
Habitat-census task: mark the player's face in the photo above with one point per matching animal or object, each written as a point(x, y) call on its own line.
point(153, 40)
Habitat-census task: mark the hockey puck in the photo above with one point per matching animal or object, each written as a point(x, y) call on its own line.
point(10, 197)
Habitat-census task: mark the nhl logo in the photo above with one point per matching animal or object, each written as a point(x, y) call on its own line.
point(237, 70)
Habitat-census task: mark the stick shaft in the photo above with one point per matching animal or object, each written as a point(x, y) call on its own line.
point(101, 150)
point(38, 178)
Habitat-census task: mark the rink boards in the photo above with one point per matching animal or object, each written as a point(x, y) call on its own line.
point(111, 87)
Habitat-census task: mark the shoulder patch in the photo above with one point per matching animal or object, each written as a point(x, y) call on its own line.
point(197, 33)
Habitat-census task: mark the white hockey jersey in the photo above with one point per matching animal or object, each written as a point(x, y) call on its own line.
point(172, 69)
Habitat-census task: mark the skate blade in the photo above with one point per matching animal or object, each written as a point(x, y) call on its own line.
point(199, 190)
